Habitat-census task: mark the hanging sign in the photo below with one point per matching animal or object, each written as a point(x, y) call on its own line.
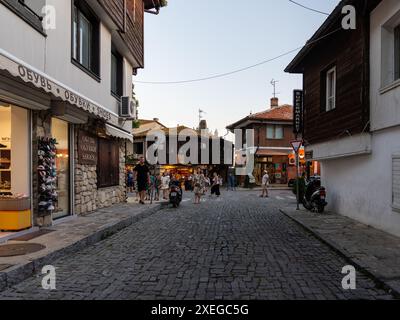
point(297, 112)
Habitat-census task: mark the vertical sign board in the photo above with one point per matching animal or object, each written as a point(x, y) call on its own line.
point(298, 112)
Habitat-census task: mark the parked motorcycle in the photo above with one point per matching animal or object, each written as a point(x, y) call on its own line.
point(175, 195)
point(315, 196)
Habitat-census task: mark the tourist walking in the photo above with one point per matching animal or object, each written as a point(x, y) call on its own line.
point(265, 184)
point(129, 181)
point(199, 185)
point(157, 187)
point(216, 182)
point(165, 180)
point(142, 176)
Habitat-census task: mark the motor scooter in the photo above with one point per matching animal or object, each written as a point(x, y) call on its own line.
point(315, 196)
point(175, 195)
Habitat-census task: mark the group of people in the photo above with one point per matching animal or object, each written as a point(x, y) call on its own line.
point(148, 186)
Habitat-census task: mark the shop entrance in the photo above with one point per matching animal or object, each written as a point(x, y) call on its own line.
point(61, 132)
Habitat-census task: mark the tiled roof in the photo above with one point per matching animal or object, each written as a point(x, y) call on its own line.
point(145, 126)
point(281, 113)
point(284, 112)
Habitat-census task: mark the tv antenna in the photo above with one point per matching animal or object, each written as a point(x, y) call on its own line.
point(274, 82)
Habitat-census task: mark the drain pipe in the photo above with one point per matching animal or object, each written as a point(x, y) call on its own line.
point(157, 9)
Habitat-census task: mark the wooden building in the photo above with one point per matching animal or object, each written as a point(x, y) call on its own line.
point(352, 115)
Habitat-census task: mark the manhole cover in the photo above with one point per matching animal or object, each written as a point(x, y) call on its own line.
point(13, 250)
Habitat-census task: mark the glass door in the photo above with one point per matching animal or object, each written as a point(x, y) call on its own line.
point(60, 132)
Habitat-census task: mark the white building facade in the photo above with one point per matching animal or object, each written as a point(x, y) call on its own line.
point(66, 71)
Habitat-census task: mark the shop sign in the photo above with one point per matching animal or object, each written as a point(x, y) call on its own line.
point(87, 148)
point(309, 155)
point(297, 112)
point(41, 81)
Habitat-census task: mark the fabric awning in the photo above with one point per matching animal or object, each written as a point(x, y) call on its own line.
point(29, 74)
point(118, 133)
point(272, 152)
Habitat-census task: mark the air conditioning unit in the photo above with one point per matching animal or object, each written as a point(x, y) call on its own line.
point(127, 109)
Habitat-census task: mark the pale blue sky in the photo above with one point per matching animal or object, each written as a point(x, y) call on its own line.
point(194, 39)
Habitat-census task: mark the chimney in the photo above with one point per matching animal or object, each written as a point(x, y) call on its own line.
point(203, 125)
point(274, 102)
point(156, 119)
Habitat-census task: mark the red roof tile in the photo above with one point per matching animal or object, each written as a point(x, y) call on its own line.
point(281, 113)
point(284, 112)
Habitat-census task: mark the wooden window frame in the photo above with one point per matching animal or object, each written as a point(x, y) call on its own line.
point(108, 164)
point(84, 9)
point(275, 126)
point(327, 84)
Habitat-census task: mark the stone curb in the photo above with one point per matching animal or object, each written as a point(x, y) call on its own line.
point(19, 273)
point(353, 261)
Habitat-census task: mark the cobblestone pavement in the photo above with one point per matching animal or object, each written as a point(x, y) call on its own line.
point(236, 247)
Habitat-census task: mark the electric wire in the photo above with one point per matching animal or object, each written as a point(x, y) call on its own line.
point(308, 8)
point(221, 75)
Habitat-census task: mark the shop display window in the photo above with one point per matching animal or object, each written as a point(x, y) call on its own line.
point(14, 157)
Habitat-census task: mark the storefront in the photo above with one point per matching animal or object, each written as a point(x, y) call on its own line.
point(276, 162)
point(15, 168)
point(61, 154)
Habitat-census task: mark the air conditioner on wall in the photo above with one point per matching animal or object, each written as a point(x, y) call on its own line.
point(127, 108)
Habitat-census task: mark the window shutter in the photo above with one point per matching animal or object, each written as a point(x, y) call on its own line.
point(396, 182)
point(108, 163)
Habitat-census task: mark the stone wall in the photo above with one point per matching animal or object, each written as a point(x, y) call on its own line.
point(87, 197)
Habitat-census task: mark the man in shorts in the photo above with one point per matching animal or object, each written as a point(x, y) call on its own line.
point(142, 176)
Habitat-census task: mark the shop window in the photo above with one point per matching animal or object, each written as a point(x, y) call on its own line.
point(117, 64)
point(108, 164)
point(14, 151)
point(275, 132)
point(85, 39)
point(396, 182)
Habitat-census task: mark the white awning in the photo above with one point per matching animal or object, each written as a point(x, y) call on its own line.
point(118, 133)
point(39, 79)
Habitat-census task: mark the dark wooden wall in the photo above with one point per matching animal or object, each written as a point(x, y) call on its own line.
point(348, 50)
point(132, 24)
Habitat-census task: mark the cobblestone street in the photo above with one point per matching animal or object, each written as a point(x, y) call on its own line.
point(237, 247)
